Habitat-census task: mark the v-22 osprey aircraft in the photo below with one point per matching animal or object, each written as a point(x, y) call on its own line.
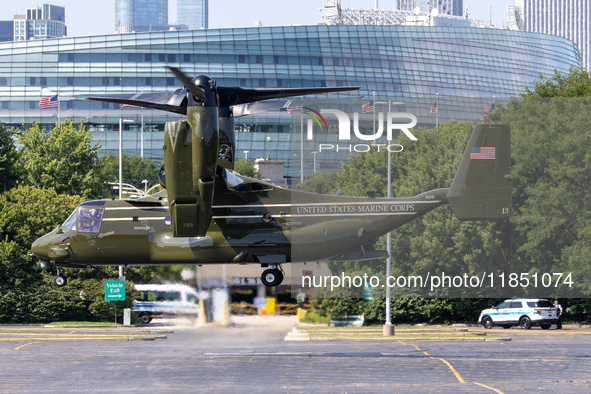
point(208, 214)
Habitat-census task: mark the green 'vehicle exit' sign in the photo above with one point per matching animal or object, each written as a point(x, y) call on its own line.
point(114, 290)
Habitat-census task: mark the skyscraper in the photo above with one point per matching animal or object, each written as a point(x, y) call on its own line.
point(193, 13)
point(142, 15)
point(446, 7)
point(6, 31)
point(564, 18)
point(47, 21)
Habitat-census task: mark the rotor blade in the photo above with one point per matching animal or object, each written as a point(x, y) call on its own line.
point(234, 95)
point(188, 83)
point(165, 101)
point(325, 100)
point(257, 107)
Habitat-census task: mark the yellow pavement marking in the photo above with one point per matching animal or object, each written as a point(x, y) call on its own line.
point(454, 371)
point(72, 332)
point(402, 342)
point(427, 354)
point(30, 343)
point(493, 389)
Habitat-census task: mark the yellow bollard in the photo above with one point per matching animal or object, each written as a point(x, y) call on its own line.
point(270, 306)
point(224, 313)
point(301, 314)
point(202, 320)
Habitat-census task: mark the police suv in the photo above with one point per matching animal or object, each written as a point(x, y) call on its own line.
point(523, 312)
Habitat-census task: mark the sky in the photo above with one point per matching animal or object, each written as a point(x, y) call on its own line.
point(92, 17)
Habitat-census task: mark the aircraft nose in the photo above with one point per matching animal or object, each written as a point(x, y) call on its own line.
point(39, 250)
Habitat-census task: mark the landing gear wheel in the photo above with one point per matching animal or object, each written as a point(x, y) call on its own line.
point(60, 281)
point(487, 322)
point(525, 323)
point(272, 277)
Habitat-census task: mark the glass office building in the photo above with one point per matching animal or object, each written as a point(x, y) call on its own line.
point(193, 13)
point(401, 63)
point(141, 15)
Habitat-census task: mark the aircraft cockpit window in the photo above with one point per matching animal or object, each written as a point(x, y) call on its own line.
point(89, 219)
point(70, 221)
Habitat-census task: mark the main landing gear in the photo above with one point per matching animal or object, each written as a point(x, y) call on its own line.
point(273, 276)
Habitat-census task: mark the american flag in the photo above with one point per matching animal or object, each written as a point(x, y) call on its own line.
point(482, 153)
point(489, 108)
point(433, 109)
point(367, 108)
point(48, 102)
point(292, 109)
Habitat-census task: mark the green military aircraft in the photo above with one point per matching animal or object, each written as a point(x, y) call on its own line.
point(208, 214)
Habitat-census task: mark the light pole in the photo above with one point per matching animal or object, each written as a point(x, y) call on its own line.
point(145, 182)
point(388, 329)
point(268, 151)
point(142, 134)
point(246, 154)
point(314, 153)
point(121, 121)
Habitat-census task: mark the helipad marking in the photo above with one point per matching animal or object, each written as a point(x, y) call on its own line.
point(488, 387)
point(30, 343)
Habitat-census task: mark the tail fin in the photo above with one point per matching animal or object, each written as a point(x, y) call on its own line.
point(481, 188)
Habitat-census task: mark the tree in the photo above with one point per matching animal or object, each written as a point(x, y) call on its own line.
point(246, 168)
point(328, 180)
point(27, 213)
point(63, 158)
point(552, 183)
point(575, 83)
point(135, 170)
point(8, 157)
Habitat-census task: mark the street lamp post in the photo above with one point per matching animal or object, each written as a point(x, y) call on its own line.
point(268, 150)
point(314, 153)
point(121, 121)
point(145, 182)
point(388, 328)
point(246, 154)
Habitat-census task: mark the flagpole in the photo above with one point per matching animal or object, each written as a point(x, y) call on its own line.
point(59, 126)
point(437, 111)
point(374, 113)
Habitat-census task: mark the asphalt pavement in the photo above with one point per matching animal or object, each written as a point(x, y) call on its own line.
point(252, 357)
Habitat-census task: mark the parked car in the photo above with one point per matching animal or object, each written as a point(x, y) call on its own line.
point(523, 312)
point(164, 300)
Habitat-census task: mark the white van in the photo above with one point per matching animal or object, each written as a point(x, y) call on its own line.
point(164, 300)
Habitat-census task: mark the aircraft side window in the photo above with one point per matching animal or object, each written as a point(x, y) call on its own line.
point(89, 219)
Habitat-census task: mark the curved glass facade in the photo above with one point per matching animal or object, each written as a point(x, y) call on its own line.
point(397, 62)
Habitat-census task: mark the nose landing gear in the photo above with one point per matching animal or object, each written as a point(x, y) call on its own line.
point(273, 276)
point(59, 280)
